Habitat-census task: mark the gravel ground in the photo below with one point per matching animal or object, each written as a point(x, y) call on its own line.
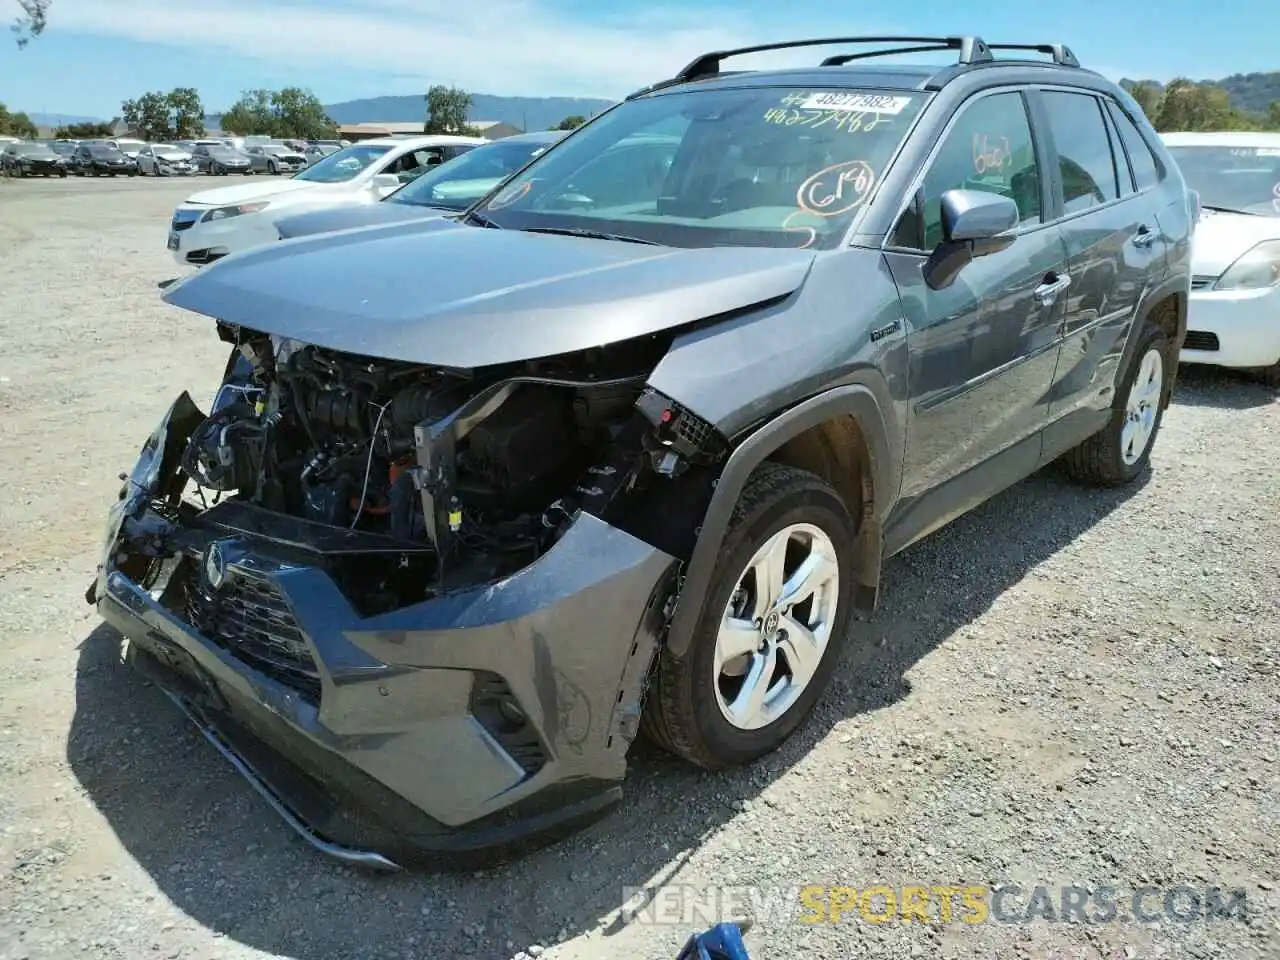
point(1064, 688)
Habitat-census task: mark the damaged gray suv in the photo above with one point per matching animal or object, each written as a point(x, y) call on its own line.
point(625, 444)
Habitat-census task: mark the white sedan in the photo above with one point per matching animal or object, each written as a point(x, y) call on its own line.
point(214, 223)
point(1233, 318)
point(165, 160)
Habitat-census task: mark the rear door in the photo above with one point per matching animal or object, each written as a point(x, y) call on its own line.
point(1114, 248)
point(982, 350)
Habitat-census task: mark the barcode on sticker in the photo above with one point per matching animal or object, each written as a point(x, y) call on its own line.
point(859, 102)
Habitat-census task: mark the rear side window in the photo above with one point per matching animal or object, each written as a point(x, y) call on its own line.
point(1145, 171)
point(1122, 165)
point(1086, 163)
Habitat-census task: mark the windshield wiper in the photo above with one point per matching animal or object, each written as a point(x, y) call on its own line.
point(591, 234)
point(1221, 209)
point(480, 219)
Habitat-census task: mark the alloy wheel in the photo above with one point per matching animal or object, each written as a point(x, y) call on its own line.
point(1142, 407)
point(776, 626)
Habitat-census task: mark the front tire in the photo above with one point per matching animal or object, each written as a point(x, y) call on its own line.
point(770, 633)
point(1120, 452)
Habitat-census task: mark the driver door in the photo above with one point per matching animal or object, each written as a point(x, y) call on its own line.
point(982, 350)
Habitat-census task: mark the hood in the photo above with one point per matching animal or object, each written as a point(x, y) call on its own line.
point(347, 217)
point(1222, 238)
point(436, 292)
point(250, 190)
point(175, 156)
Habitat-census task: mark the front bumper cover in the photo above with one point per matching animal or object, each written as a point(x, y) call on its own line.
point(392, 761)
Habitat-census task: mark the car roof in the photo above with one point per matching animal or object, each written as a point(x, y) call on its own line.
point(1233, 138)
point(427, 140)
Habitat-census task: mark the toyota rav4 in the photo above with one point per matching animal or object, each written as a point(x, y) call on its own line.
point(626, 443)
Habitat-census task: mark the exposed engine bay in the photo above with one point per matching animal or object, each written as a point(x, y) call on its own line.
point(485, 468)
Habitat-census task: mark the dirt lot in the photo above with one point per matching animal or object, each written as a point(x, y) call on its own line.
point(1065, 688)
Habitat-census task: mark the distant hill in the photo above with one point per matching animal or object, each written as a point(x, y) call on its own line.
point(62, 119)
point(527, 113)
point(1252, 92)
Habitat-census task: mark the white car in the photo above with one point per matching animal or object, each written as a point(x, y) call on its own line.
point(165, 160)
point(129, 146)
point(214, 223)
point(1233, 319)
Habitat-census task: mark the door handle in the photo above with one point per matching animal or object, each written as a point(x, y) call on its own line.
point(1144, 237)
point(1048, 291)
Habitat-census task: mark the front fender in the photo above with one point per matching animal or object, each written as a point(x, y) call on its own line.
point(858, 400)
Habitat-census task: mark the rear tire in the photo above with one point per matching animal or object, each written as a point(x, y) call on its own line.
point(1270, 375)
point(696, 706)
point(1120, 452)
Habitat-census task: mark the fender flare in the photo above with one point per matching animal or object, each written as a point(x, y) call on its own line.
point(1178, 284)
point(857, 400)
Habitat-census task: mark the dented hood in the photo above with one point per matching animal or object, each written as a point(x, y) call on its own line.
point(439, 293)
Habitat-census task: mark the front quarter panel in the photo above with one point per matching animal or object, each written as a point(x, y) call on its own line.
point(844, 318)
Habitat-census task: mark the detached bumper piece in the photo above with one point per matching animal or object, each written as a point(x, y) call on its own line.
point(458, 729)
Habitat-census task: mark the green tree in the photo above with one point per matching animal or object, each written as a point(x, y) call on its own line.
point(148, 116)
point(1148, 95)
point(447, 109)
point(1273, 115)
point(83, 131)
point(176, 115)
point(300, 115)
point(1190, 106)
point(571, 122)
point(186, 113)
point(288, 113)
point(16, 124)
point(250, 115)
point(31, 22)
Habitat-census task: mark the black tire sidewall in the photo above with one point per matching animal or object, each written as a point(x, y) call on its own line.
point(815, 504)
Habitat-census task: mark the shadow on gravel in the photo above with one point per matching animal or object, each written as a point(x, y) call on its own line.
point(221, 855)
point(1218, 387)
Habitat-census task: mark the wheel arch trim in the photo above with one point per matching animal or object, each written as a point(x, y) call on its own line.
point(857, 400)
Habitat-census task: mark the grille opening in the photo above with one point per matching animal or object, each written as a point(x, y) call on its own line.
point(1200, 340)
point(495, 708)
point(250, 619)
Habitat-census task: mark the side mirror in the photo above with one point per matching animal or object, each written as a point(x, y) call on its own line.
point(384, 181)
point(975, 224)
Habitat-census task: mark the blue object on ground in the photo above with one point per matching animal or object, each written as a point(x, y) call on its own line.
point(721, 942)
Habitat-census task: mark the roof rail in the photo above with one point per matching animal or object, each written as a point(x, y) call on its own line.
point(1061, 53)
point(971, 50)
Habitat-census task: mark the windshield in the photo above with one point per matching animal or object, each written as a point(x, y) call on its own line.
point(277, 151)
point(63, 148)
point(756, 167)
point(165, 148)
point(462, 181)
point(104, 151)
point(32, 149)
point(1245, 179)
point(344, 165)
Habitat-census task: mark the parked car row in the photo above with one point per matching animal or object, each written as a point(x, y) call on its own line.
point(211, 224)
point(133, 157)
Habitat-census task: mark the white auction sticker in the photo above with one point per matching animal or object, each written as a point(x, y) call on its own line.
point(856, 102)
point(1267, 152)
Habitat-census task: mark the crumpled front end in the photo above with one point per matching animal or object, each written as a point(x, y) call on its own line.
point(402, 662)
